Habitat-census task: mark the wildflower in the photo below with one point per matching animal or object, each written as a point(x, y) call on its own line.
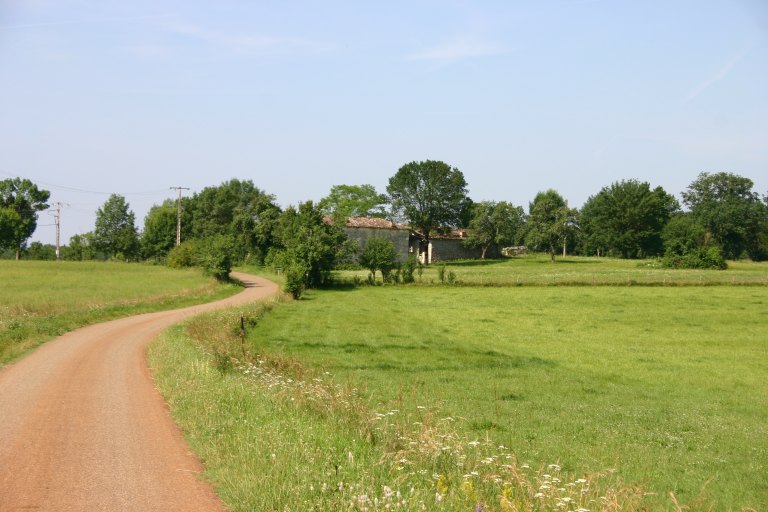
point(474, 443)
point(438, 497)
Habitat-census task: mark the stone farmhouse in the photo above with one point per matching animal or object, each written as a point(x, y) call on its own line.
point(407, 241)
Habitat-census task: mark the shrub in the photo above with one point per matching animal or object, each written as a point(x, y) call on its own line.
point(379, 254)
point(408, 269)
point(295, 280)
point(216, 257)
point(701, 258)
point(184, 255)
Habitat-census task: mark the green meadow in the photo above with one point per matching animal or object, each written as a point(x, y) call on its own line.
point(43, 299)
point(519, 397)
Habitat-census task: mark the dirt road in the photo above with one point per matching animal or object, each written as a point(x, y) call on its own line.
point(82, 427)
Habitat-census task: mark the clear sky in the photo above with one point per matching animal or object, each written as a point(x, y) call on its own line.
point(134, 97)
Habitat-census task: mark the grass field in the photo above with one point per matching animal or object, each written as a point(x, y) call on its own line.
point(514, 396)
point(538, 270)
point(40, 300)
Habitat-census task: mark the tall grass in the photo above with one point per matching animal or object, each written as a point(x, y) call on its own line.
point(40, 300)
point(597, 398)
point(275, 434)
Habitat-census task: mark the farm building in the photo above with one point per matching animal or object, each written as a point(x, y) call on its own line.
point(443, 247)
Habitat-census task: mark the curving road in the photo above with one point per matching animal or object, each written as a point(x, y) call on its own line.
point(82, 427)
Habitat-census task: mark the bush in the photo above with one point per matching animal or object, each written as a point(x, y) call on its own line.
point(701, 258)
point(408, 269)
point(379, 254)
point(295, 280)
point(184, 255)
point(216, 257)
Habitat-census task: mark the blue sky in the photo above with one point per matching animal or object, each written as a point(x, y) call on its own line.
point(136, 97)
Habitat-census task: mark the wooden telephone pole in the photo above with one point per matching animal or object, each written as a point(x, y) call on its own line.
point(178, 214)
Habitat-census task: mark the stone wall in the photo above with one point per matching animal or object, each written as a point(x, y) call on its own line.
point(399, 238)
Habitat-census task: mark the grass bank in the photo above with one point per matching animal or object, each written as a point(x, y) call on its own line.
point(540, 398)
point(40, 300)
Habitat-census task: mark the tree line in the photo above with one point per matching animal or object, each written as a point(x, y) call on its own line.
point(720, 217)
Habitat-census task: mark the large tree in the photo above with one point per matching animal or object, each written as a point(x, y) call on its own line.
point(309, 245)
point(431, 195)
point(20, 202)
point(731, 212)
point(496, 224)
point(238, 209)
point(550, 222)
point(627, 218)
point(115, 233)
point(353, 201)
point(159, 235)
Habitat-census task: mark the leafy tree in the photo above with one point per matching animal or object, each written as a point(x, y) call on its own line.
point(309, 244)
point(683, 234)
point(236, 208)
point(79, 248)
point(379, 254)
point(495, 223)
point(353, 201)
point(627, 218)
point(20, 201)
point(215, 256)
point(159, 235)
point(430, 194)
point(550, 222)
point(729, 210)
point(39, 251)
point(115, 232)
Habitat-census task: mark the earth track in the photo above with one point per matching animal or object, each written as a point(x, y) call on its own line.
point(83, 428)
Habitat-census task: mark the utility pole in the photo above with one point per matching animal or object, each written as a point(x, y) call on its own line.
point(178, 214)
point(57, 219)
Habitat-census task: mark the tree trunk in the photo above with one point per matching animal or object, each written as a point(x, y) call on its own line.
point(18, 254)
point(485, 248)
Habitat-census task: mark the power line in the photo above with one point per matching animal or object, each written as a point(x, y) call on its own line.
point(85, 191)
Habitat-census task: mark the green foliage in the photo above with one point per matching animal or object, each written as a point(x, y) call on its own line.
point(729, 210)
point(550, 222)
point(683, 234)
point(20, 201)
point(215, 256)
point(353, 201)
point(710, 257)
point(38, 251)
point(235, 208)
point(408, 268)
point(184, 255)
point(310, 243)
point(626, 219)
point(295, 279)
point(115, 232)
point(379, 255)
point(495, 224)
point(159, 235)
point(430, 194)
point(80, 248)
